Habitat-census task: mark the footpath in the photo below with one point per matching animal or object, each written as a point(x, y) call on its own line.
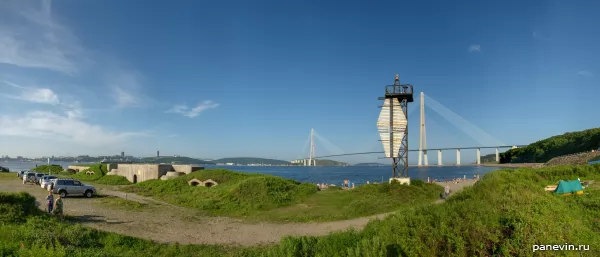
point(163, 222)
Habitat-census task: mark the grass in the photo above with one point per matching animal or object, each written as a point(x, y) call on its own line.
point(505, 214)
point(8, 176)
point(269, 198)
point(99, 176)
point(27, 231)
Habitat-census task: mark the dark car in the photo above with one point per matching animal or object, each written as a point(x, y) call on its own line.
point(3, 169)
point(21, 172)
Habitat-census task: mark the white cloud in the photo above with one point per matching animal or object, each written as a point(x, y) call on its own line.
point(474, 48)
point(34, 95)
point(45, 124)
point(193, 112)
point(31, 37)
point(585, 73)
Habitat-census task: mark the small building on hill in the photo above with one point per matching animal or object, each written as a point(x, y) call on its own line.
point(141, 172)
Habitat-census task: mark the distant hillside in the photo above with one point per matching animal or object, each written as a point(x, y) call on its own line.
point(325, 162)
point(251, 160)
point(174, 160)
point(371, 164)
point(330, 163)
point(490, 158)
point(546, 149)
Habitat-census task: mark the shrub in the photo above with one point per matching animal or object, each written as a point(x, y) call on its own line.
point(54, 169)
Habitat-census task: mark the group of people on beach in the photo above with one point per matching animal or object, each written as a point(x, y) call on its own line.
point(455, 180)
point(54, 206)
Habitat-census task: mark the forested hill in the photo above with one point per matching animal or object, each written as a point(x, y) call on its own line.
point(546, 149)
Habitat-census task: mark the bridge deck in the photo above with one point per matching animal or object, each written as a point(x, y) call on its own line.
point(431, 149)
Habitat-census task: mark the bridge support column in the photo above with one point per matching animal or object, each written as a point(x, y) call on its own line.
point(457, 156)
point(440, 157)
point(478, 156)
point(425, 158)
point(497, 155)
point(304, 162)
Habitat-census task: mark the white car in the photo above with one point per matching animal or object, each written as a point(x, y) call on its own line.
point(50, 184)
point(45, 181)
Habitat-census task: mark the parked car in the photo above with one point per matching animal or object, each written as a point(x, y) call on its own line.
point(21, 172)
point(65, 187)
point(46, 180)
point(38, 178)
point(30, 177)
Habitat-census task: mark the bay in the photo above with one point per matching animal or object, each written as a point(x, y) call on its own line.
point(324, 174)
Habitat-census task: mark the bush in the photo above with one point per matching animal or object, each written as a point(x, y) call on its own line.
point(46, 169)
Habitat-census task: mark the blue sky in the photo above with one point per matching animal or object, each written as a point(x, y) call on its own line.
point(235, 78)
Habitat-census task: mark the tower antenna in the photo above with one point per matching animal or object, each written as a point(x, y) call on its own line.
point(393, 127)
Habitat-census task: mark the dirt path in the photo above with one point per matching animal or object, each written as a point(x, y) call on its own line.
point(164, 222)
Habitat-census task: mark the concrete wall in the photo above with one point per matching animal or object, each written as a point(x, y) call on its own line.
point(145, 172)
point(187, 169)
point(110, 166)
point(78, 168)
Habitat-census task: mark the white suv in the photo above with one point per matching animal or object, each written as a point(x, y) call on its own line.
point(45, 181)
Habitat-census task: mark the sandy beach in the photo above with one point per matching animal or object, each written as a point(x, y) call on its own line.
point(513, 165)
point(455, 187)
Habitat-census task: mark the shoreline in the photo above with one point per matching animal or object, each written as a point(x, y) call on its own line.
point(513, 165)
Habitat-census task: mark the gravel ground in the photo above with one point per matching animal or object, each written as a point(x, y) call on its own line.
point(163, 222)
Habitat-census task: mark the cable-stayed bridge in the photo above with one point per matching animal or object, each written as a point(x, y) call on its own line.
point(484, 140)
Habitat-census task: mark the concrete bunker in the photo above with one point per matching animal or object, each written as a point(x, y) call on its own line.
point(206, 183)
point(139, 172)
point(210, 183)
point(194, 182)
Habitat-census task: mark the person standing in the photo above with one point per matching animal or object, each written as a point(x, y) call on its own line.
point(446, 191)
point(50, 201)
point(58, 207)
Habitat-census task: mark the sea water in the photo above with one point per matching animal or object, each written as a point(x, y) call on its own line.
point(326, 174)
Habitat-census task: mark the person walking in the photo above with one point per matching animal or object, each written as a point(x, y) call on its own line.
point(50, 201)
point(58, 207)
point(446, 191)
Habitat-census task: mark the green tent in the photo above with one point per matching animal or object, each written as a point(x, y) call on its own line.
point(569, 187)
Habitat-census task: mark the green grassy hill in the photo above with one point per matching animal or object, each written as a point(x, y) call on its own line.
point(251, 160)
point(265, 197)
point(546, 149)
